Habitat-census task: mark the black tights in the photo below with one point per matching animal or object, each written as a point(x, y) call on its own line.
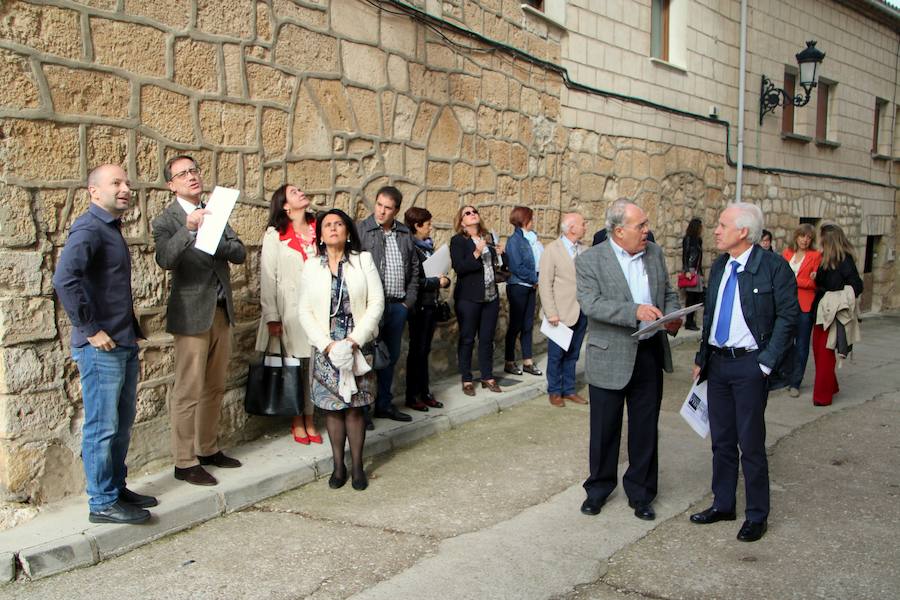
point(343, 425)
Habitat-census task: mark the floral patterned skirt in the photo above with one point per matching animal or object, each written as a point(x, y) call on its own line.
point(325, 384)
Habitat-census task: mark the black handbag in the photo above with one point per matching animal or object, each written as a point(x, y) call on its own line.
point(442, 312)
point(382, 358)
point(274, 391)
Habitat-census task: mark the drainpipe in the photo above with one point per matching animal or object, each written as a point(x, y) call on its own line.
point(742, 89)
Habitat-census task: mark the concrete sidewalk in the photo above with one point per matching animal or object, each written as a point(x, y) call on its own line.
point(61, 538)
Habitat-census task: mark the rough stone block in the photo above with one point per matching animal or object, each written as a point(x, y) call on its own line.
point(404, 118)
point(28, 368)
point(300, 49)
point(45, 28)
point(310, 175)
point(443, 205)
point(263, 22)
point(425, 83)
point(57, 556)
point(365, 107)
point(333, 99)
point(228, 123)
point(226, 17)
point(20, 273)
point(167, 112)
point(18, 88)
point(274, 132)
point(446, 136)
point(16, 224)
point(307, 16)
point(136, 48)
point(39, 150)
point(175, 13)
point(364, 64)
point(398, 33)
point(267, 83)
point(438, 174)
point(26, 319)
point(397, 73)
point(7, 567)
point(310, 135)
point(106, 145)
point(147, 159)
point(196, 64)
point(355, 20)
point(252, 176)
point(424, 120)
point(249, 222)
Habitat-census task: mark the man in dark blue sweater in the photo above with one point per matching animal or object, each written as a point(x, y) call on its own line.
point(93, 283)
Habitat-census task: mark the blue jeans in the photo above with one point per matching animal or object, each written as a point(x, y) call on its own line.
point(561, 365)
point(391, 333)
point(805, 322)
point(109, 392)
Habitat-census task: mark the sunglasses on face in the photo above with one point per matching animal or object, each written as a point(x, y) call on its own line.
point(470, 212)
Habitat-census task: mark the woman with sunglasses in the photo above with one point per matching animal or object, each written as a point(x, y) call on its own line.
point(289, 241)
point(476, 297)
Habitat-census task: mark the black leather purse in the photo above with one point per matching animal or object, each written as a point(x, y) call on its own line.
point(274, 390)
point(442, 312)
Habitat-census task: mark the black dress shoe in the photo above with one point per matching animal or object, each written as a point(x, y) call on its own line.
point(416, 405)
point(120, 512)
point(711, 515)
point(195, 475)
point(135, 499)
point(750, 531)
point(360, 483)
point(335, 482)
point(532, 369)
point(591, 507)
point(219, 460)
point(642, 511)
point(428, 399)
point(512, 368)
point(393, 414)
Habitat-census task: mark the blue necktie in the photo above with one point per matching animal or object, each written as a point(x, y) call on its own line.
point(723, 325)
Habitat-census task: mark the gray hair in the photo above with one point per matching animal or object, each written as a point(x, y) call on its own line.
point(750, 217)
point(566, 223)
point(615, 214)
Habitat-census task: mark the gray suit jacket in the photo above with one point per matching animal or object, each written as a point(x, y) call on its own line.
point(195, 274)
point(605, 298)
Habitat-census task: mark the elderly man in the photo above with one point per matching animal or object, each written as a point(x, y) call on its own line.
point(748, 325)
point(93, 282)
point(200, 316)
point(557, 288)
point(394, 252)
point(623, 283)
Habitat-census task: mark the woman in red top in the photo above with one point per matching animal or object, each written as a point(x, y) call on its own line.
point(804, 260)
point(289, 241)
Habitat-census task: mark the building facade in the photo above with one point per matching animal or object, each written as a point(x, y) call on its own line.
point(558, 105)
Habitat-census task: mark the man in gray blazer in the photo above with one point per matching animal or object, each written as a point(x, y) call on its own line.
point(623, 283)
point(200, 315)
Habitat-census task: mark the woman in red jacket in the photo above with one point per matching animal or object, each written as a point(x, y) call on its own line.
point(804, 260)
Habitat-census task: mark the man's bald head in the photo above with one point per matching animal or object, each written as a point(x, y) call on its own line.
point(110, 189)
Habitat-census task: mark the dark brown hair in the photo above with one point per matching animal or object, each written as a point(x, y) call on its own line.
point(278, 217)
point(416, 216)
point(520, 216)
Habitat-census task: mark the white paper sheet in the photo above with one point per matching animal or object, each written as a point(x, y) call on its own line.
point(560, 334)
point(220, 204)
point(661, 322)
point(438, 263)
point(273, 360)
point(695, 409)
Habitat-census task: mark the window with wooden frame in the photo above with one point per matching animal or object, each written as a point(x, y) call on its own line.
point(881, 138)
point(787, 111)
point(824, 99)
point(660, 16)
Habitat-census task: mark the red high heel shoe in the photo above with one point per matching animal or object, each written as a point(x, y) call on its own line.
point(315, 439)
point(300, 440)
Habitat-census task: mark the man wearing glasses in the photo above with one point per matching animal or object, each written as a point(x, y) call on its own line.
point(622, 284)
point(200, 316)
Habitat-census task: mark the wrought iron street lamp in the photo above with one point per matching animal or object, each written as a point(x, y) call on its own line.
point(772, 97)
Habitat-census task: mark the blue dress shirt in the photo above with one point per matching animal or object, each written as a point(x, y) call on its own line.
point(93, 280)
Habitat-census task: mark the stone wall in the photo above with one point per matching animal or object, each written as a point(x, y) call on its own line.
point(334, 96)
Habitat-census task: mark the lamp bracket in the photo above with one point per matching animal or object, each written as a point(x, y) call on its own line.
point(771, 97)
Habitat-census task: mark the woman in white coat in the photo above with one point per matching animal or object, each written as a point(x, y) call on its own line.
point(289, 241)
point(341, 299)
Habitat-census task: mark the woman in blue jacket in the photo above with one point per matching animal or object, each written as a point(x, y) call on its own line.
point(523, 254)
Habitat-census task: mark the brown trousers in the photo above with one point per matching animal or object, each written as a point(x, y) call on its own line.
point(201, 362)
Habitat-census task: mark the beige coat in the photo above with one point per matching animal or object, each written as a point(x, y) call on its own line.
point(557, 284)
point(279, 280)
point(361, 282)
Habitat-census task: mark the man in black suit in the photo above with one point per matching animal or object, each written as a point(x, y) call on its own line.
point(748, 325)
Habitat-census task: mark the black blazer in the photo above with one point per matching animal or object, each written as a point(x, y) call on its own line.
point(768, 291)
point(692, 254)
point(469, 270)
point(834, 280)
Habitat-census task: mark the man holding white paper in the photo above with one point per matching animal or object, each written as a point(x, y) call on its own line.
point(557, 288)
point(623, 282)
point(200, 316)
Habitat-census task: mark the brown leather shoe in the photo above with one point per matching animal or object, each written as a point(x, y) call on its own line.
point(491, 385)
point(575, 399)
point(195, 475)
point(468, 388)
point(557, 400)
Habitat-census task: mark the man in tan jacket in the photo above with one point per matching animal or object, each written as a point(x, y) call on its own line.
point(556, 285)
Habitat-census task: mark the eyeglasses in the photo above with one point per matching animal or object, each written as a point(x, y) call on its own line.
point(186, 172)
point(470, 212)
